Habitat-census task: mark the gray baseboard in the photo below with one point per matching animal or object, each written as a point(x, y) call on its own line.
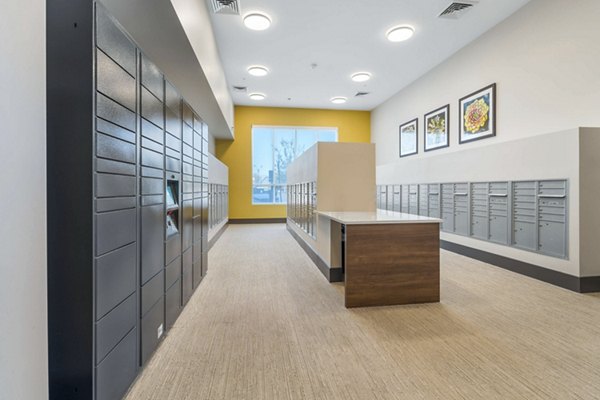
point(566, 281)
point(331, 274)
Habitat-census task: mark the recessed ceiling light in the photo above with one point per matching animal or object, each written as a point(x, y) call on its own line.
point(257, 21)
point(361, 77)
point(400, 33)
point(257, 96)
point(338, 100)
point(258, 70)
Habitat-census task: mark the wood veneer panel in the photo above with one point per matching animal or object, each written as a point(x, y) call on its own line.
point(392, 264)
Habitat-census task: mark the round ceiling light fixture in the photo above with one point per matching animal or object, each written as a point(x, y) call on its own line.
point(257, 96)
point(361, 77)
point(257, 21)
point(258, 70)
point(338, 100)
point(400, 33)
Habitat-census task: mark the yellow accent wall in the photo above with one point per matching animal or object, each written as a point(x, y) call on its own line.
point(353, 126)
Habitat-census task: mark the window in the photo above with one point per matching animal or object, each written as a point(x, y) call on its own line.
point(273, 149)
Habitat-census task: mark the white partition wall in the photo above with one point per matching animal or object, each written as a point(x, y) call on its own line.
point(218, 188)
point(328, 177)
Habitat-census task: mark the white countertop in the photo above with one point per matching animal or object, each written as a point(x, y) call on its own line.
point(376, 217)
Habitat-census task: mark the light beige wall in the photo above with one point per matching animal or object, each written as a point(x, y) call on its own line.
point(589, 201)
point(345, 176)
point(23, 304)
point(545, 60)
point(550, 156)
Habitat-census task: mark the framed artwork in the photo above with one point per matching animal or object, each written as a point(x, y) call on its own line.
point(437, 129)
point(409, 133)
point(477, 115)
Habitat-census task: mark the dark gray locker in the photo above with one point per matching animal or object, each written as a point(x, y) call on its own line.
point(152, 78)
point(109, 185)
point(115, 278)
point(151, 131)
point(114, 326)
point(172, 248)
point(114, 149)
point(173, 124)
point(112, 111)
point(187, 231)
point(152, 291)
point(173, 100)
point(173, 272)
point(152, 108)
point(114, 82)
point(197, 273)
point(113, 188)
point(172, 304)
point(152, 226)
point(152, 326)
point(116, 372)
point(115, 43)
point(115, 229)
point(110, 129)
point(152, 145)
point(186, 276)
point(115, 203)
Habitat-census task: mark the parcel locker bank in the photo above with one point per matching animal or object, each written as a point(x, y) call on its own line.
point(127, 209)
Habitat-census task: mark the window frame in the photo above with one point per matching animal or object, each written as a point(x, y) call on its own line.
point(272, 186)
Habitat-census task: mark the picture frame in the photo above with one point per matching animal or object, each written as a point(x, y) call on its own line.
point(477, 115)
point(409, 138)
point(436, 131)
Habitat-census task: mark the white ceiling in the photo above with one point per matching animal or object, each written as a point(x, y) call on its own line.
point(343, 37)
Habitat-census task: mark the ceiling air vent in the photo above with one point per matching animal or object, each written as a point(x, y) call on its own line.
point(240, 89)
point(225, 6)
point(457, 9)
point(361, 94)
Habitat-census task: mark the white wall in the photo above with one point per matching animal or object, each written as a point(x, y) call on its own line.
point(23, 316)
point(195, 19)
point(218, 173)
point(548, 156)
point(545, 59)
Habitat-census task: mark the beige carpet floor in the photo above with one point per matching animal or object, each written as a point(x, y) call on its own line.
point(266, 325)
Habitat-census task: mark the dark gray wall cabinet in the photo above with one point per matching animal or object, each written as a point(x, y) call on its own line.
point(127, 163)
